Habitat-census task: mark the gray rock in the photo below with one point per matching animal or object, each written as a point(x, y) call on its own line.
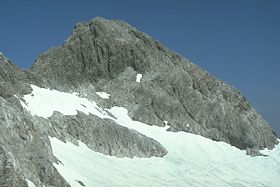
point(254, 152)
point(109, 54)
point(106, 136)
point(8, 175)
point(25, 151)
point(14, 80)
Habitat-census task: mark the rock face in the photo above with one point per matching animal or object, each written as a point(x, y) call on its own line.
point(106, 136)
point(105, 55)
point(12, 79)
point(109, 54)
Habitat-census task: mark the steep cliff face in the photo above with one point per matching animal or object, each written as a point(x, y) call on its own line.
point(109, 54)
point(156, 85)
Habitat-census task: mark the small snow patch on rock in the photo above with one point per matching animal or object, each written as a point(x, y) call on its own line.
point(30, 184)
point(103, 95)
point(138, 77)
point(75, 93)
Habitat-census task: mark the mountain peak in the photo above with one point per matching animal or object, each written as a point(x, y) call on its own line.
point(107, 53)
point(156, 105)
point(100, 49)
point(101, 27)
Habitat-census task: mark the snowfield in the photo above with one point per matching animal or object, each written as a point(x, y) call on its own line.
point(192, 160)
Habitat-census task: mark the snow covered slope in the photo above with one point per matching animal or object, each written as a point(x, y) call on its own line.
point(192, 160)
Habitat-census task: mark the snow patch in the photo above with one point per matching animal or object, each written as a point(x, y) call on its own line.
point(30, 184)
point(103, 95)
point(138, 77)
point(75, 93)
point(43, 102)
point(267, 151)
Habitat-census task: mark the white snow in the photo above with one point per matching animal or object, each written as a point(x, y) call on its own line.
point(75, 93)
point(103, 95)
point(138, 77)
point(196, 162)
point(30, 184)
point(192, 160)
point(43, 102)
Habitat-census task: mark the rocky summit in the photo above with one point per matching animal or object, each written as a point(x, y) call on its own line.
point(106, 65)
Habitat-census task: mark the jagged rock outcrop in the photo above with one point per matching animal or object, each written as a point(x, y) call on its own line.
point(14, 80)
point(105, 55)
point(106, 136)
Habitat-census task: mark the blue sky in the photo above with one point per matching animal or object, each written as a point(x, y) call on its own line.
point(237, 41)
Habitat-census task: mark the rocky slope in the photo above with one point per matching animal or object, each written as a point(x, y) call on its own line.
point(106, 55)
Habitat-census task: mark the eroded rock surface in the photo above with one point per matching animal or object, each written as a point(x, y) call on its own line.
point(109, 55)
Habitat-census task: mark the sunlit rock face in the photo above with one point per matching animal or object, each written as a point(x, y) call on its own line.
point(111, 54)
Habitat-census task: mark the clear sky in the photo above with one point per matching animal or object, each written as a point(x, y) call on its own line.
point(237, 41)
